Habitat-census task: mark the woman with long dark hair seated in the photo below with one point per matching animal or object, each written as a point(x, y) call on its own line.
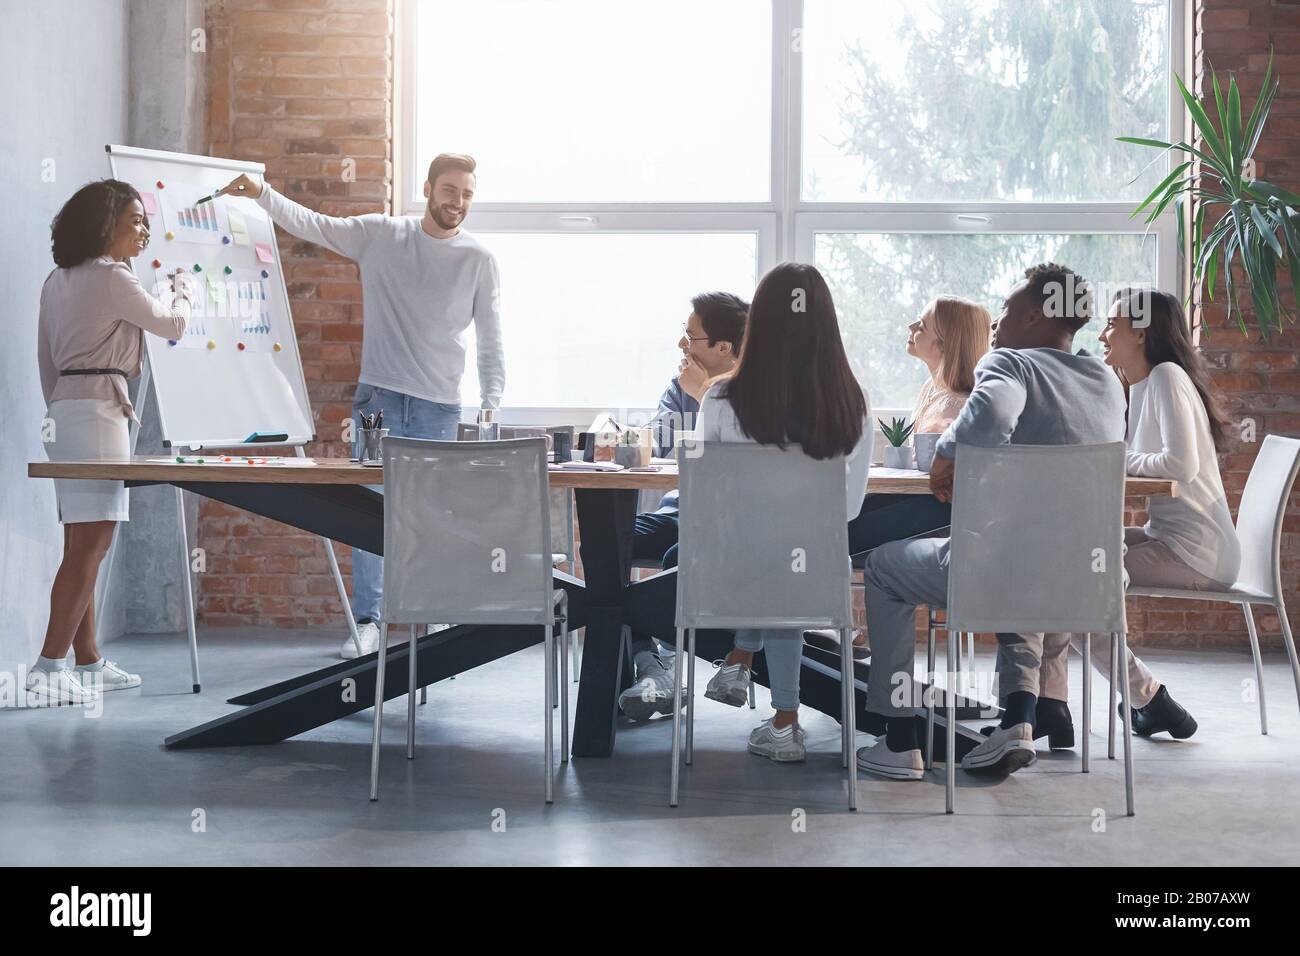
point(793, 386)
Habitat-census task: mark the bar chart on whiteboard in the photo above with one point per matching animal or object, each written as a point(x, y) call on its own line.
point(185, 218)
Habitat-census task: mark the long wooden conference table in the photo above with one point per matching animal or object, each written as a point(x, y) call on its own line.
point(328, 497)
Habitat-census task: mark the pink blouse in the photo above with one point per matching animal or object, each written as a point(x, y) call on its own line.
point(94, 315)
point(936, 407)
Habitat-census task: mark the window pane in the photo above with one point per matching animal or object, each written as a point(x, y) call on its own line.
point(982, 100)
point(881, 283)
point(593, 101)
point(593, 320)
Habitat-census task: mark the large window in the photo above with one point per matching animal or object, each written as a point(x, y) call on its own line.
point(633, 154)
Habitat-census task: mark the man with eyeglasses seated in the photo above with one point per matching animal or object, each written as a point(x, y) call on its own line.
point(710, 345)
point(1031, 389)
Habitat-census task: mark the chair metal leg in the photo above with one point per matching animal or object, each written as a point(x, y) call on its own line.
point(690, 695)
point(753, 695)
point(555, 675)
point(564, 683)
point(576, 650)
point(970, 651)
point(950, 754)
point(930, 691)
point(412, 659)
point(845, 705)
point(1087, 701)
point(1290, 642)
point(1114, 702)
point(549, 653)
point(1259, 664)
point(1128, 722)
point(379, 710)
point(677, 718)
point(424, 694)
point(849, 722)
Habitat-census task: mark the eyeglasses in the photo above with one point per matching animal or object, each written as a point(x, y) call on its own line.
point(686, 334)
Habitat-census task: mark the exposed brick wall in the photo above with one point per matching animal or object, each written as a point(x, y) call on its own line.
point(300, 85)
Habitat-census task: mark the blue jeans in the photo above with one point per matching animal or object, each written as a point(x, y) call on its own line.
point(404, 417)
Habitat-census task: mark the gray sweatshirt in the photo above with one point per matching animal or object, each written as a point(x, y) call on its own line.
point(1038, 397)
point(420, 295)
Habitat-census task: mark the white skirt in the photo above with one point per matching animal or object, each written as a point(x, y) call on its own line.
point(88, 429)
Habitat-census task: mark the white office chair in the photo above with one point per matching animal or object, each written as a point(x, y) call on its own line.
point(763, 544)
point(467, 535)
point(1037, 546)
point(561, 510)
point(1259, 530)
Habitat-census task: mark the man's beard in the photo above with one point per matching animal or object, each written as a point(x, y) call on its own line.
point(441, 219)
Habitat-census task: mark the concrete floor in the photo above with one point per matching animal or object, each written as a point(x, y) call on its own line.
point(103, 791)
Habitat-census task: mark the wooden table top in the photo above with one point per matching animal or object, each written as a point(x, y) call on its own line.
point(340, 471)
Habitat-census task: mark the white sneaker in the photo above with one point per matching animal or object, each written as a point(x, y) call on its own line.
point(1007, 750)
point(57, 689)
point(880, 760)
point(652, 694)
point(730, 685)
point(108, 677)
point(368, 634)
point(784, 746)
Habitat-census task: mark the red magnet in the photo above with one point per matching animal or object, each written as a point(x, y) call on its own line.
point(241, 346)
point(160, 184)
point(157, 264)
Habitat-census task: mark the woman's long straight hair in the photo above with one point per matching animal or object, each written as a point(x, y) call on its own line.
point(793, 382)
point(1168, 339)
point(962, 328)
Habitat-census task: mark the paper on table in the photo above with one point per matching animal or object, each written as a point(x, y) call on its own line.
point(879, 472)
point(586, 466)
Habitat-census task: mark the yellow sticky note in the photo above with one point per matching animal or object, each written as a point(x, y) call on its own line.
point(238, 227)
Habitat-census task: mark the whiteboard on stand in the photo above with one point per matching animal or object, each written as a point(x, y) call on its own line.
point(235, 378)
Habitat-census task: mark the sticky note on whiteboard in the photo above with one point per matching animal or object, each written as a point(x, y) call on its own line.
point(238, 227)
point(264, 253)
point(150, 203)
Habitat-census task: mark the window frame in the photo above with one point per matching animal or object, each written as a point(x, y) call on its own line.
point(786, 225)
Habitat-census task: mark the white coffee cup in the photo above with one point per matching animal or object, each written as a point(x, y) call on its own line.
point(924, 444)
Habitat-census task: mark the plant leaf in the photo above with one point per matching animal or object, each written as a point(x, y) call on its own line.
point(1206, 129)
point(1266, 229)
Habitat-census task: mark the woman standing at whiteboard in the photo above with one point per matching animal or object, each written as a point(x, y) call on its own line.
point(93, 317)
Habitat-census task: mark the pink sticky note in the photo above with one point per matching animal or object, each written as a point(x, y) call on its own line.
point(150, 203)
point(264, 253)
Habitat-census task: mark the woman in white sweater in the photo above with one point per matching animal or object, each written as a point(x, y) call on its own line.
point(1174, 428)
point(793, 385)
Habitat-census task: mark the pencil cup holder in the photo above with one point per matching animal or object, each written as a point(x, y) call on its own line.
point(372, 443)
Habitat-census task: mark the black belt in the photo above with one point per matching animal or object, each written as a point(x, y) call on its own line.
point(93, 371)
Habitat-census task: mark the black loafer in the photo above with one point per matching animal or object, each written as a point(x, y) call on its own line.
point(1051, 720)
point(1163, 714)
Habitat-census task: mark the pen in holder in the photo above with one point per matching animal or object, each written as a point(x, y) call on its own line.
point(371, 443)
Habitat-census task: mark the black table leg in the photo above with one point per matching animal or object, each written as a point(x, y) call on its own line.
point(605, 524)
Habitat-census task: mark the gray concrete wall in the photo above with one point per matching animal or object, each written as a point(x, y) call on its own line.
point(66, 97)
point(82, 74)
point(167, 110)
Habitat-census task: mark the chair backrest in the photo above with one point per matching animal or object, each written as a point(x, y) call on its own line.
point(1262, 510)
point(1037, 539)
point(763, 539)
point(466, 532)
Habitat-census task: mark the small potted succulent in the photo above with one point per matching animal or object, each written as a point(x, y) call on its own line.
point(897, 453)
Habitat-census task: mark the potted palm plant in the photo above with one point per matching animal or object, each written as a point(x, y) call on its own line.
point(897, 454)
point(1239, 218)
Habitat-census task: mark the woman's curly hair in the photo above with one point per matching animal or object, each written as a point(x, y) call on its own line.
point(84, 227)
